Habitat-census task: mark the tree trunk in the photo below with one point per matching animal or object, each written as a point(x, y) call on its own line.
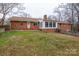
point(78, 18)
point(78, 23)
point(3, 20)
point(73, 29)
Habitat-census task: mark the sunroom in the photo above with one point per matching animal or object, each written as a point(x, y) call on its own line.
point(47, 24)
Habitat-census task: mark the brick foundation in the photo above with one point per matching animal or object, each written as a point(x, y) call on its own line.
point(49, 30)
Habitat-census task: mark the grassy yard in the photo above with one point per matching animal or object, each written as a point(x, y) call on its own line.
point(38, 43)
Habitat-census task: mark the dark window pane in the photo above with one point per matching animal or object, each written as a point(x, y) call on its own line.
point(50, 24)
point(54, 24)
point(46, 24)
point(34, 23)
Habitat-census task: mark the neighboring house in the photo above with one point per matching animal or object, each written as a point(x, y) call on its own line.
point(45, 24)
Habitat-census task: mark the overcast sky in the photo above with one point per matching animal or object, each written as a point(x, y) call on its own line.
point(37, 8)
point(40, 9)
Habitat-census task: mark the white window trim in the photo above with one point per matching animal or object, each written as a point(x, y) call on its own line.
point(43, 26)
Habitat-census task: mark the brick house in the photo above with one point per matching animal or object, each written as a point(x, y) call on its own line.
point(45, 24)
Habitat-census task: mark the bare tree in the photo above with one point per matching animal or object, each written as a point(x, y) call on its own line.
point(6, 8)
point(20, 11)
point(69, 14)
point(73, 12)
point(57, 10)
point(52, 17)
point(76, 6)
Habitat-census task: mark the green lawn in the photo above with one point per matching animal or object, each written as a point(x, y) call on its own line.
point(38, 43)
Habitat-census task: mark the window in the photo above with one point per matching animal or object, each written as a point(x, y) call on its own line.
point(46, 24)
point(50, 24)
point(34, 23)
point(54, 24)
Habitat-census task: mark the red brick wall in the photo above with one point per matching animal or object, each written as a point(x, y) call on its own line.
point(22, 26)
point(64, 27)
point(18, 25)
point(34, 27)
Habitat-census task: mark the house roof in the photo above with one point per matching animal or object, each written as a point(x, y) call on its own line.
point(23, 19)
point(15, 18)
point(49, 20)
point(64, 22)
